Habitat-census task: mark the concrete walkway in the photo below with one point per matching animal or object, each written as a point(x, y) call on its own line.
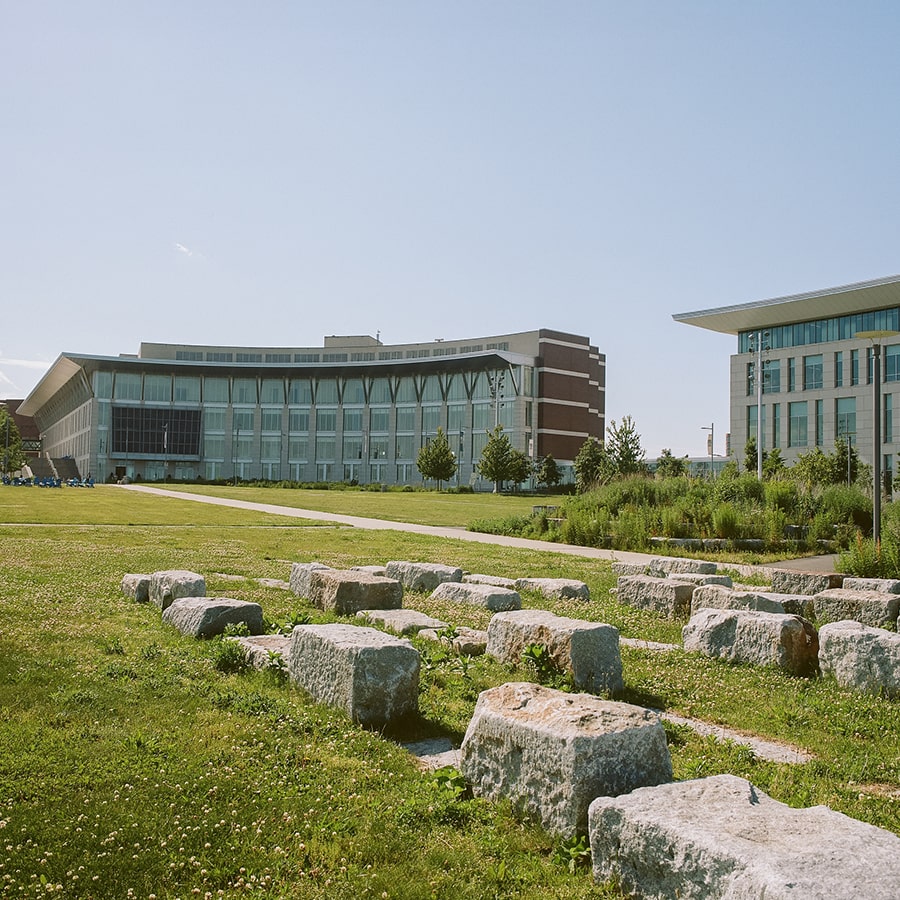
point(807, 564)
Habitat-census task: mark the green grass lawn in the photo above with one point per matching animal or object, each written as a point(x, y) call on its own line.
point(420, 507)
point(130, 765)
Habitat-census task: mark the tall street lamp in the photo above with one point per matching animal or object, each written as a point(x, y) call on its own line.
point(875, 337)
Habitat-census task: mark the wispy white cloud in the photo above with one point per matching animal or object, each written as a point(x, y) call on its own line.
point(182, 249)
point(24, 363)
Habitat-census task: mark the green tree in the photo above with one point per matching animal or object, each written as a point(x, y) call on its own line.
point(812, 468)
point(548, 473)
point(623, 446)
point(844, 464)
point(496, 458)
point(751, 463)
point(773, 464)
point(436, 459)
point(592, 465)
point(520, 467)
point(12, 457)
point(669, 466)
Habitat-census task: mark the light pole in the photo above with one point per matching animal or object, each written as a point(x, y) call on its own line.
point(459, 459)
point(6, 450)
point(234, 456)
point(758, 337)
point(875, 337)
point(711, 442)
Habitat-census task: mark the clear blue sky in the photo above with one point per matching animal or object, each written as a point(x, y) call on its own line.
point(269, 173)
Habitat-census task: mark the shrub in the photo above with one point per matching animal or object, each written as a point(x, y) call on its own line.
point(726, 521)
point(229, 657)
point(844, 504)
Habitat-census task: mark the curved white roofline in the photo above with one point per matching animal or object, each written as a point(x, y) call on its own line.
point(847, 299)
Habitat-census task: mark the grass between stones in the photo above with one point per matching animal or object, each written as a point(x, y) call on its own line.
point(130, 766)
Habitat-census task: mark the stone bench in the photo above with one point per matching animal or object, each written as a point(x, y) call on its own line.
point(464, 641)
point(496, 599)
point(861, 658)
point(624, 568)
point(204, 617)
point(722, 837)
point(345, 593)
point(301, 573)
point(372, 570)
point(136, 587)
point(370, 675)
point(786, 581)
point(172, 584)
point(667, 596)
point(555, 588)
point(422, 576)
point(551, 753)
point(883, 585)
point(261, 647)
point(588, 651)
point(875, 608)
point(400, 621)
point(676, 565)
point(495, 580)
point(718, 597)
point(758, 638)
point(698, 580)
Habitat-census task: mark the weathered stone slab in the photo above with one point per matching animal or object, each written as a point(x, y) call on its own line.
point(551, 753)
point(719, 597)
point(758, 638)
point(465, 641)
point(495, 580)
point(675, 565)
point(372, 570)
point(172, 584)
point(496, 599)
point(555, 588)
point(667, 596)
point(345, 593)
point(301, 574)
point(589, 651)
point(786, 581)
point(795, 604)
point(372, 676)
point(623, 568)
point(698, 580)
point(136, 587)
point(261, 647)
point(274, 583)
point(204, 617)
point(884, 585)
point(422, 576)
point(400, 621)
point(868, 607)
point(861, 658)
point(722, 837)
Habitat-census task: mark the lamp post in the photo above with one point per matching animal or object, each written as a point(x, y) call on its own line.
point(711, 441)
point(875, 337)
point(234, 456)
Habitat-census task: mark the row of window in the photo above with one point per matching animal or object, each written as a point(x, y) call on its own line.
point(810, 376)
point(803, 413)
point(820, 331)
point(228, 356)
point(152, 388)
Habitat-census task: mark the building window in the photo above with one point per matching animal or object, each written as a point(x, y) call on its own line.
point(751, 423)
point(127, 386)
point(353, 419)
point(456, 417)
point(431, 419)
point(278, 357)
point(406, 390)
point(103, 385)
point(820, 422)
point(219, 356)
point(406, 418)
point(854, 367)
point(379, 420)
point(243, 390)
point(456, 388)
point(751, 379)
point(334, 357)
point(242, 420)
point(892, 363)
point(870, 365)
point(406, 446)
point(380, 391)
point(272, 391)
point(845, 419)
point(798, 416)
point(431, 389)
point(271, 420)
point(157, 388)
point(300, 391)
point(298, 449)
point(776, 424)
point(771, 376)
point(215, 390)
point(214, 419)
point(792, 374)
point(888, 404)
point(839, 369)
point(482, 418)
point(378, 447)
point(270, 447)
point(326, 420)
point(191, 355)
point(325, 448)
point(353, 448)
point(298, 420)
point(326, 391)
point(353, 391)
point(812, 372)
point(248, 357)
point(187, 389)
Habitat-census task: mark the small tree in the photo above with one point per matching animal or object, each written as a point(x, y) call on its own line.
point(12, 457)
point(669, 466)
point(519, 467)
point(592, 465)
point(773, 464)
point(751, 462)
point(495, 461)
point(623, 446)
point(436, 459)
point(548, 473)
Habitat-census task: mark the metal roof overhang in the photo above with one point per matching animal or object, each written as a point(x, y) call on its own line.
point(67, 365)
point(864, 296)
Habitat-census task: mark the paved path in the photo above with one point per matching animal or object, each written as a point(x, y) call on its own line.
point(807, 564)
